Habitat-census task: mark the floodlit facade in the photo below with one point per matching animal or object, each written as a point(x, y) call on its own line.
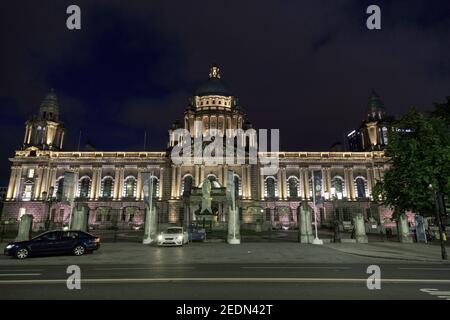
point(110, 183)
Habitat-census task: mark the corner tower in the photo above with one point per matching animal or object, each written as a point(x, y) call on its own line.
point(45, 131)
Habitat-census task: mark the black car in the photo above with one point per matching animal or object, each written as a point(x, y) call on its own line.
point(54, 242)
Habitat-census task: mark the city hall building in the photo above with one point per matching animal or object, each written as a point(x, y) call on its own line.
point(110, 183)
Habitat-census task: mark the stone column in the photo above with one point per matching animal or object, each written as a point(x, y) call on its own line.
point(24, 232)
point(301, 183)
point(284, 182)
point(329, 182)
point(174, 184)
point(360, 228)
point(370, 182)
point(79, 217)
point(261, 184)
point(139, 185)
point(305, 228)
point(93, 184)
point(197, 175)
point(37, 184)
point(98, 183)
point(45, 180)
point(280, 183)
point(116, 183)
point(249, 183)
point(161, 183)
point(352, 183)
point(178, 181)
point(306, 182)
point(120, 185)
point(17, 184)
point(403, 229)
point(11, 184)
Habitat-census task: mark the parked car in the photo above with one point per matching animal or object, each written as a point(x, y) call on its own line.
point(54, 242)
point(173, 236)
point(197, 234)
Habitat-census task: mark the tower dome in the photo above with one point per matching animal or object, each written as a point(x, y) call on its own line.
point(49, 108)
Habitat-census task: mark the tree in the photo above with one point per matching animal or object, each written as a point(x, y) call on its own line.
point(419, 159)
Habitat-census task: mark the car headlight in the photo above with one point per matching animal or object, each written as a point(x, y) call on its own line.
point(180, 238)
point(9, 246)
point(160, 237)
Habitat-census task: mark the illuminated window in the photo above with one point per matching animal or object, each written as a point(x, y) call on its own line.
point(129, 190)
point(30, 173)
point(28, 189)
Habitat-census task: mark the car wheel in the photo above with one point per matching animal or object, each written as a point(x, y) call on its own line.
point(22, 253)
point(79, 250)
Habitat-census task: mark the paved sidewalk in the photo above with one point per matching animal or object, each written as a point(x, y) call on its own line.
point(278, 253)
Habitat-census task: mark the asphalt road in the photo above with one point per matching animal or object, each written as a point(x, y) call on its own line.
point(226, 281)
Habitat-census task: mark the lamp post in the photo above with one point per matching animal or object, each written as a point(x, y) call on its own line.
point(48, 199)
point(438, 206)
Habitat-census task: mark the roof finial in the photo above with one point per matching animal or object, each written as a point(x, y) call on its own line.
point(214, 72)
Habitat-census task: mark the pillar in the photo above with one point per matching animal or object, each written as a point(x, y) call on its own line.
point(370, 182)
point(301, 182)
point(280, 183)
point(161, 183)
point(403, 229)
point(305, 229)
point(116, 183)
point(17, 183)
point(24, 232)
point(139, 185)
point(284, 182)
point(98, 183)
point(37, 184)
point(174, 184)
point(11, 184)
point(79, 217)
point(306, 182)
point(178, 191)
point(352, 183)
point(249, 183)
point(360, 228)
point(93, 183)
point(197, 175)
point(261, 184)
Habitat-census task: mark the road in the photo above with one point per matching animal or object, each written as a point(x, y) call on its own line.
point(226, 281)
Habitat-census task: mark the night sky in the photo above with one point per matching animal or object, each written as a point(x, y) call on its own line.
point(305, 67)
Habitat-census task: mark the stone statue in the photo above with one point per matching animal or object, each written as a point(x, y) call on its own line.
point(206, 197)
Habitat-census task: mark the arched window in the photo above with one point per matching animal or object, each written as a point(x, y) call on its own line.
point(107, 187)
point(213, 179)
point(271, 187)
point(361, 186)
point(129, 187)
point(84, 186)
point(337, 187)
point(293, 187)
point(186, 186)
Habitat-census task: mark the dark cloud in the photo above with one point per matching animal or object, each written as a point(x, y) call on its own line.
point(306, 67)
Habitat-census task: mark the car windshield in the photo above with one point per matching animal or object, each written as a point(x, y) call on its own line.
point(173, 230)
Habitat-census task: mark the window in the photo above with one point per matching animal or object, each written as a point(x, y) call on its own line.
point(237, 187)
point(187, 185)
point(69, 235)
point(270, 187)
point(293, 187)
point(360, 187)
point(84, 187)
point(28, 189)
point(61, 215)
point(337, 187)
point(49, 236)
point(130, 187)
point(30, 173)
point(107, 188)
point(59, 190)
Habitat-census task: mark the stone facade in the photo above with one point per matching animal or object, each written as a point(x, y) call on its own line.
point(110, 183)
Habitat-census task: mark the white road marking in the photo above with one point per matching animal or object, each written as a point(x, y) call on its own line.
point(288, 280)
point(435, 292)
point(18, 274)
point(152, 268)
point(293, 267)
point(432, 269)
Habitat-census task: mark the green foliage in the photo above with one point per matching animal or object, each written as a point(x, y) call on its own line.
point(419, 159)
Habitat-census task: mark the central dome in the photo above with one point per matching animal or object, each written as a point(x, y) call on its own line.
point(214, 85)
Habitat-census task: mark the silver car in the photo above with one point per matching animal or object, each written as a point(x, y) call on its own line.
point(173, 236)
